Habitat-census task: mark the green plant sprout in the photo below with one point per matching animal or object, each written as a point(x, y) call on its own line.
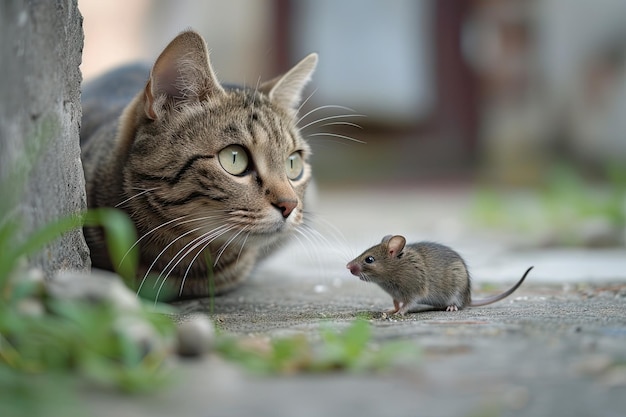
point(120, 237)
point(351, 350)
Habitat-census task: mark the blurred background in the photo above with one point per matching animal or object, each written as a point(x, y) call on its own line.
point(486, 95)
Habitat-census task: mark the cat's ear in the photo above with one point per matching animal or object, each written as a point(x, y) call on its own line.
point(183, 73)
point(286, 90)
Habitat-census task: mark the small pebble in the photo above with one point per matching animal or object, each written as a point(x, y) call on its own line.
point(141, 333)
point(96, 287)
point(195, 336)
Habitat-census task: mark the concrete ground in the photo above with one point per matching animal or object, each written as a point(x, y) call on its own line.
point(557, 347)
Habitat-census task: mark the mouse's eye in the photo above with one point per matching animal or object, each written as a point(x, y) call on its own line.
point(369, 260)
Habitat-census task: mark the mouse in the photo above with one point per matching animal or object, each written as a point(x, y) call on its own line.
point(418, 274)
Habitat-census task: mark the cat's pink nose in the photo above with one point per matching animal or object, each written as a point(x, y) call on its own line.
point(286, 207)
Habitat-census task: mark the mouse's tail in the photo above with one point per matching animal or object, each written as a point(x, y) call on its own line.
point(499, 297)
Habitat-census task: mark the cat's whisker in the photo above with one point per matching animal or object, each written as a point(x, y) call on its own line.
point(180, 256)
point(340, 116)
point(335, 233)
point(317, 242)
point(173, 242)
point(145, 277)
point(315, 235)
point(316, 217)
point(307, 247)
point(209, 236)
point(305, 101)
point(205, 240)
point(327, 106)
point(336, 135)
point(187, 248)
point(184, 278)
point(301, 243)
point(153, 230)
point(314, 246)
point(256, 88)
point(342, 124)
point(329, 248)
point(315, 251)
point(301, 232)
point(256, 91)
point(245, 239)
point(225, 245)
point(142, 192)
point(148, 233)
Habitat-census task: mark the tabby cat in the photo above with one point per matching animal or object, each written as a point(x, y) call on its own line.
point(212, 176)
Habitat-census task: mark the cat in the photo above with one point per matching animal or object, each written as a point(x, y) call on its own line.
point(212, 176)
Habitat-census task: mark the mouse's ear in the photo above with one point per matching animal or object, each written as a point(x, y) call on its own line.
point(386, 239)
point(395, 245)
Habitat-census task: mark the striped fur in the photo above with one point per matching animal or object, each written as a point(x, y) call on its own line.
point(151, 142)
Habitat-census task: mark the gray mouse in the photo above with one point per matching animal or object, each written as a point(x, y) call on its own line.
point(423, 273)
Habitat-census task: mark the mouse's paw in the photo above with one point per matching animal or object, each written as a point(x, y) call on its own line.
point(394, 310)
point(402, 310)
point(452, 308)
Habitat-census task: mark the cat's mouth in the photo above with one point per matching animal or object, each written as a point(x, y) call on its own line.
point(274, 229)
point(274, 225)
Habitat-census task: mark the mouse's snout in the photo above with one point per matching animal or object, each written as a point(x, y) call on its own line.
point(354, 268)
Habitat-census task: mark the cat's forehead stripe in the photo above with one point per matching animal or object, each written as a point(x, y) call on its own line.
point(266, 130)
point(232, 130)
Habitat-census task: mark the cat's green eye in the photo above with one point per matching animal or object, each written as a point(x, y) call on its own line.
point(234, 159)
point(294, 166)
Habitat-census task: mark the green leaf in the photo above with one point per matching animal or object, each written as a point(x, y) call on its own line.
point(12, 251)
point(357, 336)
point(121, 237)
